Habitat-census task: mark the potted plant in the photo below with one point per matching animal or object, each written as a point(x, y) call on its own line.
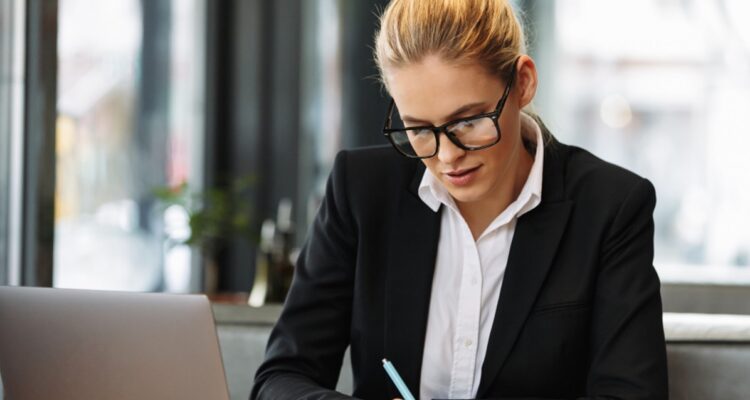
point(215, 216)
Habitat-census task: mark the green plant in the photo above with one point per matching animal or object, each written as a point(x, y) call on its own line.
point(215, 215)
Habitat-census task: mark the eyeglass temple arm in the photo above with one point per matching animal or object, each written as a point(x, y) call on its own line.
point(507, 90)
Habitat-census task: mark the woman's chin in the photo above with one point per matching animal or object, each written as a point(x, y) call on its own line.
point(466, 195)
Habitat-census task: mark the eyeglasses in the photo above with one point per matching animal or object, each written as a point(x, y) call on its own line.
point(472, 133)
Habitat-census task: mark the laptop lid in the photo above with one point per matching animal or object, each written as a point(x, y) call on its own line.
point(82, 344)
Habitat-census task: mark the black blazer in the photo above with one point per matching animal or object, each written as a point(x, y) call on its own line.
point(579, 314)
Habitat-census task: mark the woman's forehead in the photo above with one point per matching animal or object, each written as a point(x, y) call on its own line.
point(433, 89)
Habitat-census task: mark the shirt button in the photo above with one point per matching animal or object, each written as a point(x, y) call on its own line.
point(468, 343)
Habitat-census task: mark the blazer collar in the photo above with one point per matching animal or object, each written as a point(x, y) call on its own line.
point(532, 252)
point(412, 252)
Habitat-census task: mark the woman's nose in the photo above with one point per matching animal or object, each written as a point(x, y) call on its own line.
point(448, 152)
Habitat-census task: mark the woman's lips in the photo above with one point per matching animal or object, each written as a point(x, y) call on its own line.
point(461, 177)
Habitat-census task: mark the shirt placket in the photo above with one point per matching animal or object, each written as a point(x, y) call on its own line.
point(467, 320)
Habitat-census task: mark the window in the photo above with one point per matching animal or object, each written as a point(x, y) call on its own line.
point(661, 87)
point(322, 101)
point(11, 121)
point(130, 100)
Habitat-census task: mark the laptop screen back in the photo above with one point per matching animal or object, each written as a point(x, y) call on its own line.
point(77, 344)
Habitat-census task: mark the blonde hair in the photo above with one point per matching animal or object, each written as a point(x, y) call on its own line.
point(461, 31)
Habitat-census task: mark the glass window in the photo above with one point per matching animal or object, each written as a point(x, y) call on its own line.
point(11, 116)
point(130, 101)
point(321, 103)
point(5, 89)
point(661, 87)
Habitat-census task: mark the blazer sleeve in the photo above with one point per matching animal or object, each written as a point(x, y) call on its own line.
point(628, 352)
point(307, 344)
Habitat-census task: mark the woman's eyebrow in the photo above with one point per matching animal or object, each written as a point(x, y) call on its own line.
point(451, 116)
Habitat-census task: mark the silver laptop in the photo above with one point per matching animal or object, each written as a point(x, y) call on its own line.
point(78, 344)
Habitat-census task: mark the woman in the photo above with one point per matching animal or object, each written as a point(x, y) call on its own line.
point(483, 258)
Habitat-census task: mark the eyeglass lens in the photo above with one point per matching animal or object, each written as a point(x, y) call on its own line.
point(472, 133)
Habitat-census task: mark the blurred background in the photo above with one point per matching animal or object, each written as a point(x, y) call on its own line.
point(144, 143)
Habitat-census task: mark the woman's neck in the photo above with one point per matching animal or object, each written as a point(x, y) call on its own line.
point(480, 214)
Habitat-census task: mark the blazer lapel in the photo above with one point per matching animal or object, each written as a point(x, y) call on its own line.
point(532, 251)
point(411, 263)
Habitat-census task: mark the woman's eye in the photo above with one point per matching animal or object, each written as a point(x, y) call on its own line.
point(462, 127)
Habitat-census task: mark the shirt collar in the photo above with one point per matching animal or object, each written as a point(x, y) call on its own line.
point(433, 193)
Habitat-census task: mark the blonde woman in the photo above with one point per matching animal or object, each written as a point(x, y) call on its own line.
point(484, 258)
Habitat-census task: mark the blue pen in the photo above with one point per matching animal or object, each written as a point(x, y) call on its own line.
point(396, 378)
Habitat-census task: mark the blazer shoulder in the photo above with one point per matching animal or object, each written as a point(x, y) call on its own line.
point(375, 174)
point(374, 161)
point(588, 176)
point(377, 164)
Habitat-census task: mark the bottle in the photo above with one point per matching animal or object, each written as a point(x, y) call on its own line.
point(274, 267)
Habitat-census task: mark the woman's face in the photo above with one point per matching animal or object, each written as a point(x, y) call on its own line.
point(433, 92)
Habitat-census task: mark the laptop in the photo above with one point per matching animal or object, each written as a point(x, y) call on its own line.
point(80, 344)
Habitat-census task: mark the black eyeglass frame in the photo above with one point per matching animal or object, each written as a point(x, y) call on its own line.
point(436, 130)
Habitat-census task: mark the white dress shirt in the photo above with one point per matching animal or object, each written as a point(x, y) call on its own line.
point(467, 282)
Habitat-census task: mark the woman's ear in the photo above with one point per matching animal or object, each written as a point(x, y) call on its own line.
point(526, 80)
